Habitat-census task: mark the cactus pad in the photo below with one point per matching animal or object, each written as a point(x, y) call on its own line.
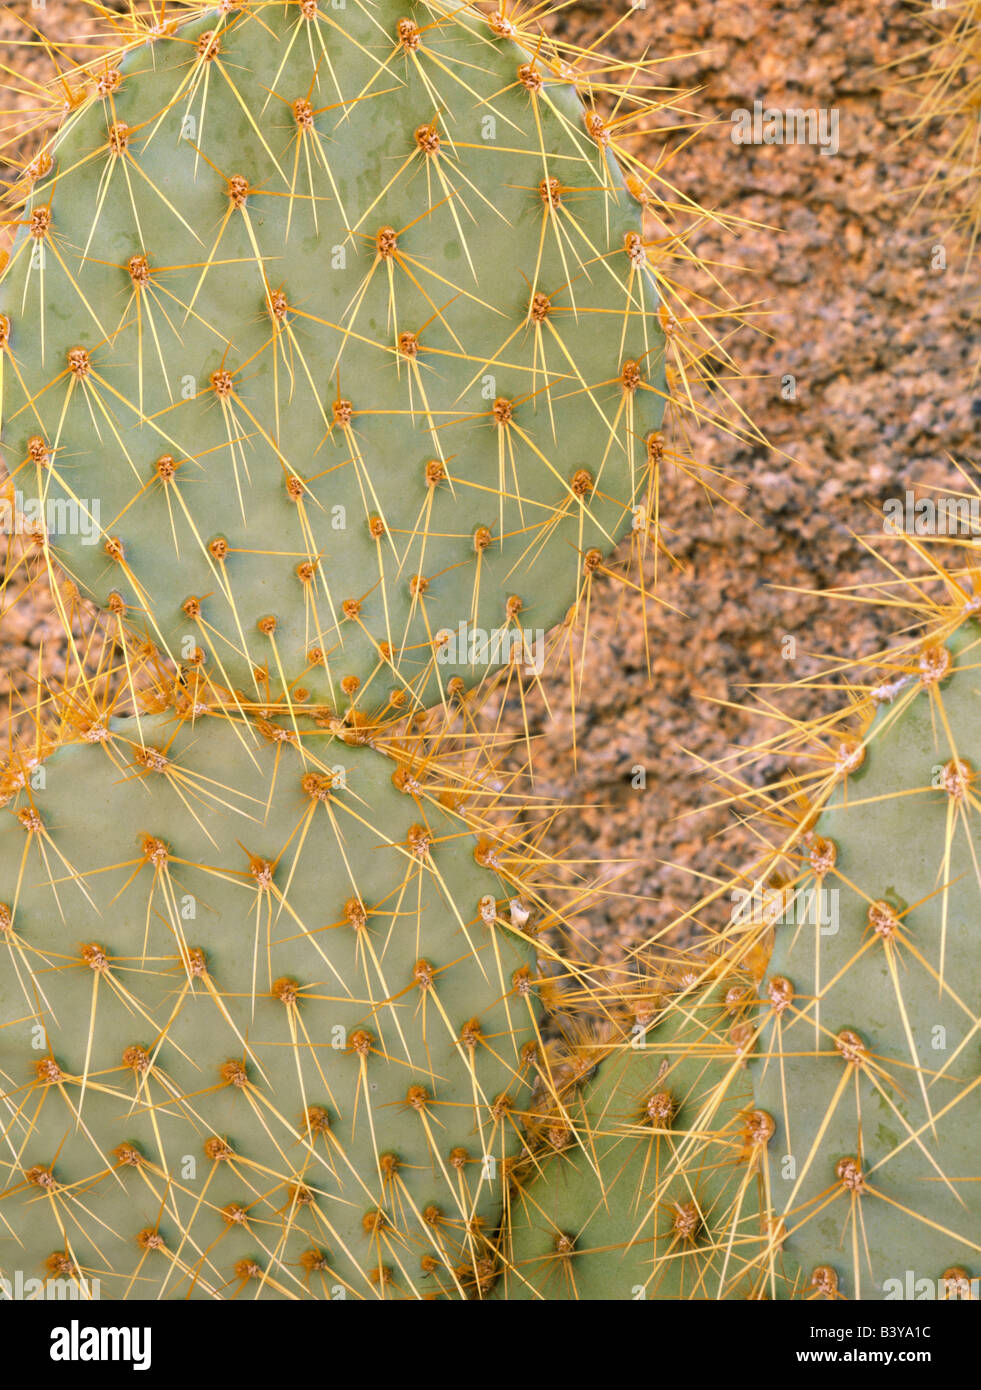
point(648, 1185)
point(870, 1042)
point(260, 1028)
point(325, 337)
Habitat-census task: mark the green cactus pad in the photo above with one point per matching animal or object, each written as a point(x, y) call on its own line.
point(276, 375)
point(870, 1043)
point(261, 1030)
point(650, 1185)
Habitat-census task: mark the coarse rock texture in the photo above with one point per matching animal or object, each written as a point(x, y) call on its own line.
point(882, 348)
point(838, 261)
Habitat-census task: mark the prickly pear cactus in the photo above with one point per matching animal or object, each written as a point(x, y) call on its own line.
point(261, 1027)
point(869, 1050)
point(649, 1180)
point(329, 348)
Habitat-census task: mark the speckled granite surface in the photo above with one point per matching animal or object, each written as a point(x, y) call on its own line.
point(882, 348)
